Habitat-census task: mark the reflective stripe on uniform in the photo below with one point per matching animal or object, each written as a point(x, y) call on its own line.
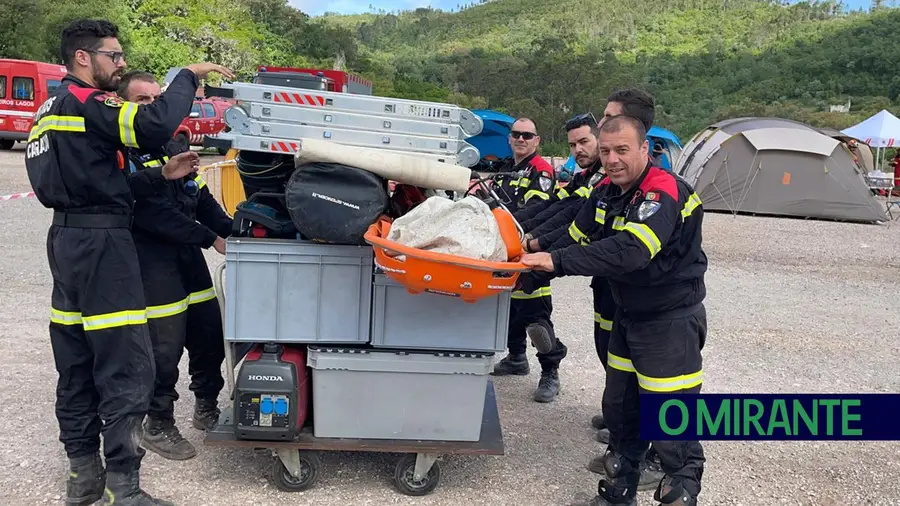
point(99, 321)
point(180, 306)
point(600, 216)
point(165, 310)
point(562, 194)
point(643, 233)
point(57, 123)
point(202, 296)
point(126, 124)
point(672, 384)
point(156, 162)
point(65, 317)
point(112, 320)
point(543, 291)
point(535, 193)
point(646, 235)
point(200, 184)
point(604, 323)
point(583, 192)
point(577, 235)
point(693, 202)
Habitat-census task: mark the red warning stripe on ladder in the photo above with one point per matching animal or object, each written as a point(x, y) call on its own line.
point(284, 147)
point(296, 98)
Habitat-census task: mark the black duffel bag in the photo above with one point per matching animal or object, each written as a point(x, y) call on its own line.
point(335, 203)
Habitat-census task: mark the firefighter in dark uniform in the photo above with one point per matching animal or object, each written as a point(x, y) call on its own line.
point(582, 136)
point(169, 230)
point(530, 311)
point(641, 106)
point(642, 231)
point(98, 320)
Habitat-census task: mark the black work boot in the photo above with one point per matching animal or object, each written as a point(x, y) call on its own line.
point(548, 387)
point(162, 437)
point(206, 414)
point(124, 489)
point(87, 479)
point(598, 422)
point(512, 364)
point(651, 472)
point(670, 492)
point(540, 337)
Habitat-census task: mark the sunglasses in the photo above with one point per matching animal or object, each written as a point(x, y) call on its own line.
point(581, 120)
point(515, 134)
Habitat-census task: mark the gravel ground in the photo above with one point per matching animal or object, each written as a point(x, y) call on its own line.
point(841, 278)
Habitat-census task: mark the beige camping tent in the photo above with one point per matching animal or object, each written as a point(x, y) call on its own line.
point(776, 166)
point(865, 159)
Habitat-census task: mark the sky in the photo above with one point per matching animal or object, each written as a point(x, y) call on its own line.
point(318, 7)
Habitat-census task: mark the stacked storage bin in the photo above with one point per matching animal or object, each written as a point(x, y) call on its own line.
point(386, 364)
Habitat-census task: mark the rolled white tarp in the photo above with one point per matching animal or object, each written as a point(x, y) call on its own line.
point(399, 167)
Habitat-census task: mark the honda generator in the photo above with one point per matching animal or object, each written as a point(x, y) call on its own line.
point(272, 393)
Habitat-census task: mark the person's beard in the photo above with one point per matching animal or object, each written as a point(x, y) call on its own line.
point(106, 82)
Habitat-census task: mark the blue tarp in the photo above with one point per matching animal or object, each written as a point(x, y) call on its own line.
point(493, 141)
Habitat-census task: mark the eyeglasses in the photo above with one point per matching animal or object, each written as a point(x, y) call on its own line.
point(115, 56)
point(581, 120)
point(515, 134)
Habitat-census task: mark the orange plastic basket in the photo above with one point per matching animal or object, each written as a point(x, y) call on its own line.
point(440, 273)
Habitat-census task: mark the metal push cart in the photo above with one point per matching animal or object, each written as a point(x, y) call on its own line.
point(272, 119)
point(296, 463)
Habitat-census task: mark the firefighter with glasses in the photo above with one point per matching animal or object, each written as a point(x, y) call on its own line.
point(98, 314)
point(530, 311)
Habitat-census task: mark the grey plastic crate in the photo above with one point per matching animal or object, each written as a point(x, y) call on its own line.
point(429, 321)
point(297, 292)
point(383, 394)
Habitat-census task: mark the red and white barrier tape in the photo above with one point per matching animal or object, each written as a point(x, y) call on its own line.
point(17, 196)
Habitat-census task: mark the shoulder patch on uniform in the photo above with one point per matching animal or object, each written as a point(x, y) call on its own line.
point(647, 209)
point(111, 100)
point(651, 196)
point(545, 182)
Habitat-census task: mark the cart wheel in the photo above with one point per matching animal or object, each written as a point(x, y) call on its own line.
point(287, 482)
point(404, 477)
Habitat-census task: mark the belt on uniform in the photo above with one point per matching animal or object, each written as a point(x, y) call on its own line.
point(664, 315)
point(76, 220)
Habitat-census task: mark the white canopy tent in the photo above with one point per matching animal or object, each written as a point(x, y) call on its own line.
point(880, 131)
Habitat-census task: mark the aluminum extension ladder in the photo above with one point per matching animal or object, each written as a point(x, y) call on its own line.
point(272, 119)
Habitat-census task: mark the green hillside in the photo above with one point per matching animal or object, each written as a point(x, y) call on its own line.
point(704, 60)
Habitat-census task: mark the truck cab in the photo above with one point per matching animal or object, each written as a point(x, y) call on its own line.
point(207, 117)
point(302, 80)
point(24, 86)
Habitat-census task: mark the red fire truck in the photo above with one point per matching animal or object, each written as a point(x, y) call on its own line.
point(207, 117)
point(332, 80)
point(24, 86)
